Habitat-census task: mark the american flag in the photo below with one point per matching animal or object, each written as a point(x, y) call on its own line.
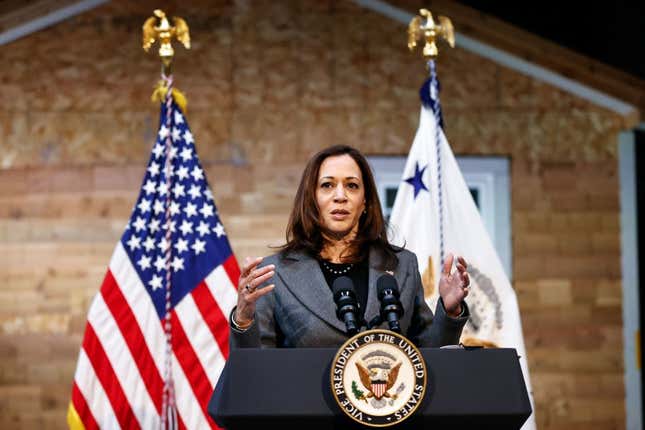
point(120, 375)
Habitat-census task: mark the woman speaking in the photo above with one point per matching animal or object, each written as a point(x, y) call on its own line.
point(336, 230)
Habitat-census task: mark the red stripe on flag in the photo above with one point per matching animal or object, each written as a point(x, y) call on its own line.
point(111, 384)
point(134, 338)
point(82, 409)
point(181, 424)
point(232, 270)
point(192, 367)
point(216, 321)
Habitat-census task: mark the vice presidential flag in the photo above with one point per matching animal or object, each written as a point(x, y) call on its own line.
point(173, 259)
point(434, 214)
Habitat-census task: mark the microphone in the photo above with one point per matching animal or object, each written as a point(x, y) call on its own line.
point(346, 304)
point(391, 307)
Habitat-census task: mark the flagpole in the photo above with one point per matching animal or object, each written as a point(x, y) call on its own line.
point(131, 372)
point(168, 392)
point(436, 108)
point(430, 31)
point(155, 28)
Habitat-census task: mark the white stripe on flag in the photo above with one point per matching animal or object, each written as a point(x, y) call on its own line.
point(140, 303)
point(123, 364)
point(224, 291)
point(93, 392)
point(187, 404)
point(200, 337)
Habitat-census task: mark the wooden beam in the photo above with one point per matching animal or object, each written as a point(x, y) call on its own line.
point(21, 20)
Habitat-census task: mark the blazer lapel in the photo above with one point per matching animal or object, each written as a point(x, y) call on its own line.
point(373, 307)
point(306, 281)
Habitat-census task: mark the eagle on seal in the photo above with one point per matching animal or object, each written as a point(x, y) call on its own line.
point(378, 380)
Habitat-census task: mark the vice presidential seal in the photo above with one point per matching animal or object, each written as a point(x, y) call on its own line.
point(378, 378)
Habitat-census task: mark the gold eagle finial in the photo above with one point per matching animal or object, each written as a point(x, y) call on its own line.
point(164, 32)
point(430, 31)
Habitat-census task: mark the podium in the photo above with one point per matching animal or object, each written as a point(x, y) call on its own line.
point(289, 388)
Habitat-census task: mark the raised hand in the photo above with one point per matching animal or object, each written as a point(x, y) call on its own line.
point(453, 287)
point(247, 289)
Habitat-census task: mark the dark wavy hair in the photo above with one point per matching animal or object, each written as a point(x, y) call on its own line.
point(304, 231)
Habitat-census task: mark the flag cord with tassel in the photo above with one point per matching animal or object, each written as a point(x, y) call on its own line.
point(168, 403)
point(434, 96)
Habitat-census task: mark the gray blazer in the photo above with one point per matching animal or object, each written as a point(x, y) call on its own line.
point(300, 311)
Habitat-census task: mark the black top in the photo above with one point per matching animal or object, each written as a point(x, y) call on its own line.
point(357, 272)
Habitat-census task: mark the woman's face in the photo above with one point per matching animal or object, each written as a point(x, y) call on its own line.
point(340, 195)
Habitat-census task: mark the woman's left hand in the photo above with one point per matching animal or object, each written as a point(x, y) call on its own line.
point(453, 287)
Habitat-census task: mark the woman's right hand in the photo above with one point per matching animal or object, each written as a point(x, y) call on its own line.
point(247, 289)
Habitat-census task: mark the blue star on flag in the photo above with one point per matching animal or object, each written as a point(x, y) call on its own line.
point(416, 181)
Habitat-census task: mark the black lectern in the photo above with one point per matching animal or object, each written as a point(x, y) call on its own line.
point(289, 388)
